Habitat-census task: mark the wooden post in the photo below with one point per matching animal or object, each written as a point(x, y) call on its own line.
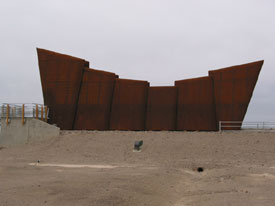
point(23, 114)
point(42, 117)
point(7, 114)
point(36, 111)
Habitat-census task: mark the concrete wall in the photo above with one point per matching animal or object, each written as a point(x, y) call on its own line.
point(33, 130)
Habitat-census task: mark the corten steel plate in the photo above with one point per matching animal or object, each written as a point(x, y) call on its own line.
point(196, 105)
point(129, 105)
point(201, 102)
point(94, 104)
point(60, 78)
point(161, 108)
point(233, 88)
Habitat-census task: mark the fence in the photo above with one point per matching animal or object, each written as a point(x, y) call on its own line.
point(9, 111)
point(239, 125)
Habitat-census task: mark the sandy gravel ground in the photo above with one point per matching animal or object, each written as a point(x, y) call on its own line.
point(100, 168)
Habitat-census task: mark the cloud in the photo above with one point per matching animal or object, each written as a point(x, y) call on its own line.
point(160, 41)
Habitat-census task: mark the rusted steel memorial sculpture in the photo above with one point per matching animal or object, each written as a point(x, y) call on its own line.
point(81, 98)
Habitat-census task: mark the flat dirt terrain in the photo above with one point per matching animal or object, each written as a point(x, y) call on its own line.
point(100, 168)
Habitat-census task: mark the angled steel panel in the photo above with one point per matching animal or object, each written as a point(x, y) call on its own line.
point(161, 108)
point(60, 78)
point(196, 105)
point(228, 90)
point(233, 88)
point(94, 104)
point(129, 105)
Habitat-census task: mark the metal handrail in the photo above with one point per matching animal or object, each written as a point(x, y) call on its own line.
point(28, 110)
point(246, 125)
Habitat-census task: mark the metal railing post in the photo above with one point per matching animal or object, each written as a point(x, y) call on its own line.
point(13, 112)
point(46, 113)
point(7, 114)
point(23, 114)
point(36, 111)
point(42, 116)
point(3, 110)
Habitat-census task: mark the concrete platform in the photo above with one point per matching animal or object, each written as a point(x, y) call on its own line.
point(32, 130)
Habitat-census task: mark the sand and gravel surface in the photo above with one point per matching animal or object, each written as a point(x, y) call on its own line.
point(100, 168)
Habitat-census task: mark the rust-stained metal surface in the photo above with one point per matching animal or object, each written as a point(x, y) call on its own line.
point(60, 78)
point(196, 105)
point(95, 98)
point(233, 88)
point(88, 99)
point(161, 108)
point(129, 105)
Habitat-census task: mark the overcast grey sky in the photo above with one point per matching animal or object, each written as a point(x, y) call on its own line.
point(155, 40)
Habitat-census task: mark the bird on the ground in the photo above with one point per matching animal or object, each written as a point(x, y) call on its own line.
point(138, 144)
